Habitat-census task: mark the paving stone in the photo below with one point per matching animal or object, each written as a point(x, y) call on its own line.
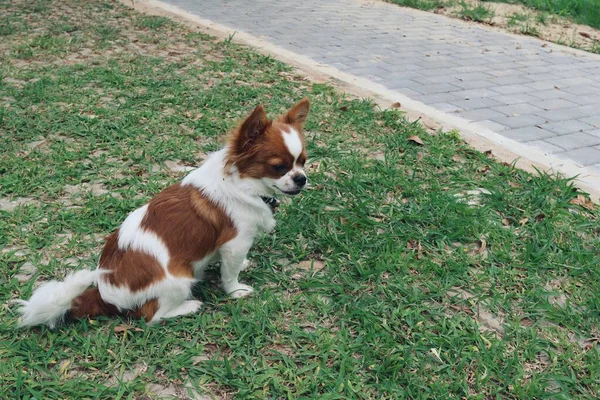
point(493, 126)
point(511, 89)
point(555, 104)
point(520, 121)
point(481, 114)
point(518, 109)
point(574, 141)
point(562, 115)
point(515, 98)
point(594, 121)
point(564, 127)
point(546, 147)
point(594, 132)
point(527, 134)
point(584, 156)
point(475, 104)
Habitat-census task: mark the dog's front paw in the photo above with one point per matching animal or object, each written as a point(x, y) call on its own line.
point(239, 290)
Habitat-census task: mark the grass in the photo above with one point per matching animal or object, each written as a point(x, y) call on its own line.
point(424, 286)
point(586, 12)
point(425, 5)
point(517, 18)
point(477, 13)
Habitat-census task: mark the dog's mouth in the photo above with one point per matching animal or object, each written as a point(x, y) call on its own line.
point(291, 192)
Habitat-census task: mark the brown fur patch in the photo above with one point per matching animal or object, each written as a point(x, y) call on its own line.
point(131, 268)
point(190, 225)
point(146, 310)
point(91, 304)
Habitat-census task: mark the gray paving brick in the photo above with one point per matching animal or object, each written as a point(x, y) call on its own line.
point(527, 134)
point(475, 94)
point(595, 132)
point(446, 107)
point(593, 121)
point(493, 126)
point(515, 98)
point(546, 147)
point(542, 85)
point(481, 114)
point(555, 104)
point(520, 121)
point(562, 115)
point(518, 109)
point(436, 98)
point(437, 88)
point(475, 104)
point(581, 89)
point(589, 110)
point(574, 141)
point(585, 156)
point(550, 94)
point(511, 89)
point(569, 126)
point(511, 80)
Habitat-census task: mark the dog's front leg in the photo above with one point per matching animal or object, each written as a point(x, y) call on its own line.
point(233, 261)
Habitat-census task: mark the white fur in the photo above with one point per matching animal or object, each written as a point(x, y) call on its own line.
point(131, 235)
point(293, 143)
point(51, 301)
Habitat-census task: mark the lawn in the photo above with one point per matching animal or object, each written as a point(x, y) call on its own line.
point(586, 12)
point(414, 267)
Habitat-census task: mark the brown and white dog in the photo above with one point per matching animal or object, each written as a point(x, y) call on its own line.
point(148, 266)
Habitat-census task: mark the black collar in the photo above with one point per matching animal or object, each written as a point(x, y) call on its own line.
point(271, 202)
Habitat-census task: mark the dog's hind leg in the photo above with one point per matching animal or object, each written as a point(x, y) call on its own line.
point(172, 295)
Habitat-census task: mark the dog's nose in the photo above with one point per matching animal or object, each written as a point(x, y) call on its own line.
point(299, 180)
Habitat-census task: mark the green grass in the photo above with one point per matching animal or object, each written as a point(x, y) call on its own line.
point(389, 220)
point(477, 13)
point(585, 12)
point(517, 19)
point(425, 5)
point(528, 29)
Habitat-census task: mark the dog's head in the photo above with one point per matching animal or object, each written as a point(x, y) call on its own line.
point(272, 152)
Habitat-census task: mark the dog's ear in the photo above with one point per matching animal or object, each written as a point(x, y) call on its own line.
point(297, 114)
point(254, 126)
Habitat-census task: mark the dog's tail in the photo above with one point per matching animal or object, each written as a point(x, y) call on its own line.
point(52, 301)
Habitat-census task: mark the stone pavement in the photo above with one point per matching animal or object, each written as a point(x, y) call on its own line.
point(543, 95)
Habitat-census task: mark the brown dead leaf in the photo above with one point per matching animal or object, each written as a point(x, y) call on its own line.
point(582, 201)
point(396, 105)
point(514, 185)
point(126, 327)
point(505, 222)
point(457, 158)
point(313, 265)
point(523, 221)
point(488, 153)
point(416, 139)
point(344, 108)
point(482, 246)
point(585, 35)
point(210, 83)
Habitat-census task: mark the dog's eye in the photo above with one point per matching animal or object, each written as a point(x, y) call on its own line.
point(280, 168)
point(302, 162)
